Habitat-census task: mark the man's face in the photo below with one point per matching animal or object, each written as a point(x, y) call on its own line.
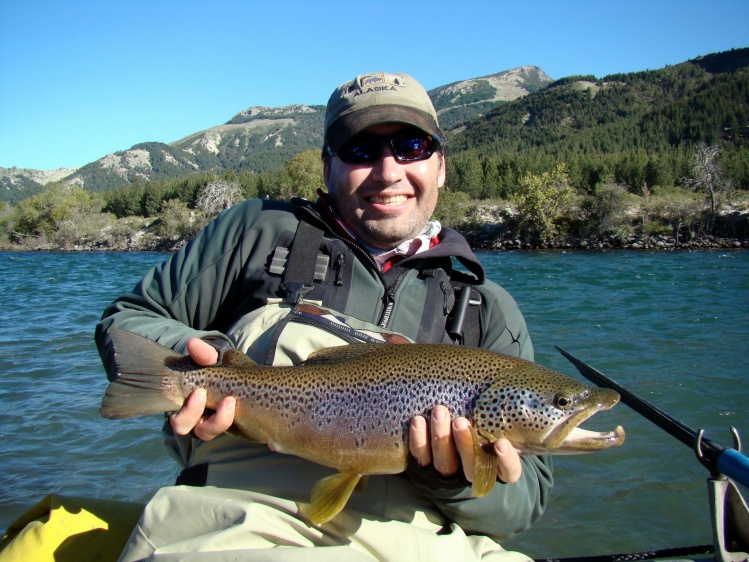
point(385, 202)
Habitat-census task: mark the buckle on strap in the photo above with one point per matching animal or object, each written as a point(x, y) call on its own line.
point(295, 291)
point(301, 265)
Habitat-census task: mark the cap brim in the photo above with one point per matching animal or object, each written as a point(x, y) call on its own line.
point(348, 126)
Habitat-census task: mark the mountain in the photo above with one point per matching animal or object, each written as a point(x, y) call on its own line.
point(702, 100)
point(18, 183)
point(258, 139)
point(458, 102)
point(598, 123)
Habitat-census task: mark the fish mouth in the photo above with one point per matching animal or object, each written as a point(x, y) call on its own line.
point(583, 441)
point(568, 438)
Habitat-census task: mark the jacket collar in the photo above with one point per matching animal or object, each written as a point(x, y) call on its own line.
point(447, 244)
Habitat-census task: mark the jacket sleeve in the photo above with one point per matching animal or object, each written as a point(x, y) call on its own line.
point(192, 294)
point(195, 292)
point(170, 304)
point(509, 508)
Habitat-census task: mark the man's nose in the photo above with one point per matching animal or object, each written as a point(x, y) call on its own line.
point(387, 169)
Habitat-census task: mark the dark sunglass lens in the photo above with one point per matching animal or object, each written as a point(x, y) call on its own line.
point(413, 146)
point(361, 149)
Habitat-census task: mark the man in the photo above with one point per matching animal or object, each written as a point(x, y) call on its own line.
point(377, 260)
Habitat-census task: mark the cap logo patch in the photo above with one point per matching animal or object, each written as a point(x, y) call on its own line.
point(375, 89)
point(379, 80)
point(391, 98)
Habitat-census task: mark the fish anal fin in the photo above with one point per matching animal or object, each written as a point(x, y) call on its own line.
point(484, 466)
point(330, 494)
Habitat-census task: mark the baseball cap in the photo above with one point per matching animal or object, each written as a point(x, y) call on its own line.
point(379, 97)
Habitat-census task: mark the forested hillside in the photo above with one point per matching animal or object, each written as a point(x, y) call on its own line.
point(637, 129)
point(257, 139)
point(615, 161)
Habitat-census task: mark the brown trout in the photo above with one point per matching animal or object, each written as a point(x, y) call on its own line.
point(349, 407)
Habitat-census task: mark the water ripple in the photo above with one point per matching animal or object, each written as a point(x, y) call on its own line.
point(671, 326)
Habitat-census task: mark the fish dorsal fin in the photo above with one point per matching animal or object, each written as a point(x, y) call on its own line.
point(235, 359)
point(484, 467)
point(342, 353)
point(329, 496)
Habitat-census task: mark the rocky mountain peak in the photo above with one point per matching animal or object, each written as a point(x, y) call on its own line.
point(265, 112)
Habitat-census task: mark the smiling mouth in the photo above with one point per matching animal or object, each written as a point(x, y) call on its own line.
point(392, 200)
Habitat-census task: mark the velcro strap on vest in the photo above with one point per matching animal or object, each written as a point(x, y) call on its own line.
point(302, 264)
point(281, 256)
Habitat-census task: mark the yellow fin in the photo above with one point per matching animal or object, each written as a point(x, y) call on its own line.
point(484, 467)
point(329, 496)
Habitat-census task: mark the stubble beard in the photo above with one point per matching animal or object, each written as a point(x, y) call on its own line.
point(388, 232)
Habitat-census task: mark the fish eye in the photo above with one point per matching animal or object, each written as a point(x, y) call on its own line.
point(563, 401)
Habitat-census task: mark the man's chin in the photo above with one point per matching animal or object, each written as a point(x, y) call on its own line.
point(379, 234)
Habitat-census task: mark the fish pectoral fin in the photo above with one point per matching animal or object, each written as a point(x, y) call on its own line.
point(485, 464)
point(329, 496)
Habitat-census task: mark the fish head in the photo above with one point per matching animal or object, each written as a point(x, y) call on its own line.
point(540, 411)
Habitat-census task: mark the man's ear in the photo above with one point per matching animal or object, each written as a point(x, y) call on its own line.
point(326, 170)
point(441, 171)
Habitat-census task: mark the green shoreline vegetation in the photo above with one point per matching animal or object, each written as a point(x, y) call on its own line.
point(658, 158)
point(542, 210)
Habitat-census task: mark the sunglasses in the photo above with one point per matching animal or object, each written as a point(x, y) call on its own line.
point(406, 146)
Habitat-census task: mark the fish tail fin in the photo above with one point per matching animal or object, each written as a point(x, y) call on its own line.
point(142, 377)
point(484, 467)
point(329, 496)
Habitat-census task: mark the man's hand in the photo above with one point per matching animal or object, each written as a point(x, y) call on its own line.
point(192, 416)
point(449, 447)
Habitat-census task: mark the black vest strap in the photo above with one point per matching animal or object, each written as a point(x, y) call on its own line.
point(303, 265)
point(299, 275)
point(464, 324)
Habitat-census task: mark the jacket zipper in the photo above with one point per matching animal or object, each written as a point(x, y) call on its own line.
point(388, 299)
point(340, 263)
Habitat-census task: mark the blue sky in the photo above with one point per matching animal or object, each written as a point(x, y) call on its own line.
point(81, 79)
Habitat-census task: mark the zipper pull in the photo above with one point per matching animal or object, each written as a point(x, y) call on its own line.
point(445, 299)
point(389, 301)
point(340, 262)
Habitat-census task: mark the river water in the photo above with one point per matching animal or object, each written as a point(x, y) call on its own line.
point(671, 326)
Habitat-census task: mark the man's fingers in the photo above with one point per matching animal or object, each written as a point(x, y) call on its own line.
point(210, 427)
point(464, 444)
point(444, 452)
point(509, 468)
point(187, 418)
point(418, 441)
point(192, 418)
point(204, 354)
